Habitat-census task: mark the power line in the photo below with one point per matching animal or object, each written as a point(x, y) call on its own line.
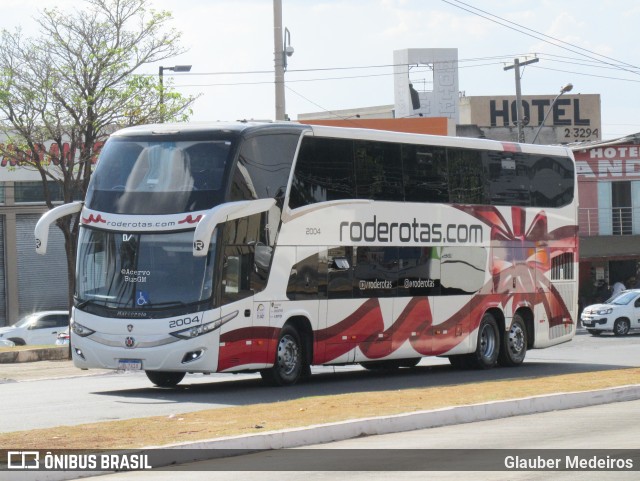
point(589, 75)
point(538, 35)
point(351, 77)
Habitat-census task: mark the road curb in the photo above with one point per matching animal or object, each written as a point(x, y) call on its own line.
point(38, 354)
point(325, 433)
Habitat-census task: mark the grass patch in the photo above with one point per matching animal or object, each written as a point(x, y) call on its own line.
point(257, 418)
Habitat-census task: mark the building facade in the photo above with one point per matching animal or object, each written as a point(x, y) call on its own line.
point(609, 215)
point(28, 282)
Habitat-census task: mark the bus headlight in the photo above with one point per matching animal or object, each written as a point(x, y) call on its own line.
point(195, 331)
point(80, 330)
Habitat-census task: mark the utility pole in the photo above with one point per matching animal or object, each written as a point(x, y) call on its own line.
point(516, 66)
point(278, 46)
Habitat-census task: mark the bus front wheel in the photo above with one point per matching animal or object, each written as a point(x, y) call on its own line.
point(165, 378)
point(289, 364)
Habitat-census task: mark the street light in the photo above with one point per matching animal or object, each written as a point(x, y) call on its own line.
point(565, 89)
point(177, 68)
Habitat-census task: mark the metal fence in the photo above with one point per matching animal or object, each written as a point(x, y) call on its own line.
point(616, 221)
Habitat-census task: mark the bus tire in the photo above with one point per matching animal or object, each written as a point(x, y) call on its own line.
point(513, 347)
point(487, 345)
point(289, 365)
point(165, 378)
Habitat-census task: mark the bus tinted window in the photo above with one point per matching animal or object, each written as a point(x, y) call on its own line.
point(324, 172)
point(425, 173)
point(163, 177)
point(378, 171)
point(263, 166)
point(467, 177)
point(552, 181)
point(340, 272)
point(422, 173)
point(247, 257)
point(376, 271)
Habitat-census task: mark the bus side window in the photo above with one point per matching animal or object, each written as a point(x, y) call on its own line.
point(305, 277)
point(340, 273)
point(236, 275)
point(375, 272)
point(425, 174)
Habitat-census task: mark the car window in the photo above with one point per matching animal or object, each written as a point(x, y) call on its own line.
point(624, 298)
point(26, 321)
point(62, 320)
point(46, 322)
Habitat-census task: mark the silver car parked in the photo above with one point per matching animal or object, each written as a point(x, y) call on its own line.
point(36, 328)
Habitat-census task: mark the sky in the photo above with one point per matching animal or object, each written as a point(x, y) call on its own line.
point(343, 51)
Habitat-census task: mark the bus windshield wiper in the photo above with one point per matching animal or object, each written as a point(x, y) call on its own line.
point(166, 304)
point(84, 303)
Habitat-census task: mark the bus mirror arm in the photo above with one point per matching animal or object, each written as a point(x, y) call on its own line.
point(42, 227)
point(223, 213)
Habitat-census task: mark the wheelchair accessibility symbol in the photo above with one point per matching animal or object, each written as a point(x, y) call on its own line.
point(143, 298)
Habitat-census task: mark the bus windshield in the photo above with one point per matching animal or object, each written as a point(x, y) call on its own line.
point(158, 177)
point(141, 271)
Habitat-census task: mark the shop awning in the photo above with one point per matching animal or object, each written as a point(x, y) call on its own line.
point(610, 247)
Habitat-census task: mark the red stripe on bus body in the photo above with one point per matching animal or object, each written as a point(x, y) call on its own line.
point(511, 147)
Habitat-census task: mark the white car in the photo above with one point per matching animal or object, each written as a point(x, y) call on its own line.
point(619, 314)
point(37, 328)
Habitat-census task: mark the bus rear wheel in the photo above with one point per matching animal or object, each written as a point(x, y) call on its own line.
point(514, 343)
point(488, 344)
point(289, 364)
point(165, 378)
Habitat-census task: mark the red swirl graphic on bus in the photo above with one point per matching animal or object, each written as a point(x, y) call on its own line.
point(190, 220)
point(93, 219)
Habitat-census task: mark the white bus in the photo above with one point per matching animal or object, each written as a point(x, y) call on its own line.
point(272, 247)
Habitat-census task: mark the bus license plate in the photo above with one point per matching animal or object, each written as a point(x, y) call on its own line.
point(129, 364)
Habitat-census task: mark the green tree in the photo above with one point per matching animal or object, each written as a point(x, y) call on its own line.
point(75, 83)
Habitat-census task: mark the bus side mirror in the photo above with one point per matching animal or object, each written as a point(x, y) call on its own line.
point(223, 213)
point(42, 227)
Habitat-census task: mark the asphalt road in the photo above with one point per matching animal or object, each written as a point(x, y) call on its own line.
point(114, 396)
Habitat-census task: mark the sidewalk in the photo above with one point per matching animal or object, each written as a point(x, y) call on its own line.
point(31, 371)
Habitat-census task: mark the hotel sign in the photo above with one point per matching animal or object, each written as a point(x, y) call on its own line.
point(574, 117)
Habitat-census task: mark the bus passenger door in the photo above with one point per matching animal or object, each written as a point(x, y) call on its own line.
point(237, 337)
point(336, 338)
point(305, 289)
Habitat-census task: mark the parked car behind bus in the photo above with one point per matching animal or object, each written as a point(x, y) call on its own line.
point(37, 328)
point(619, 314)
